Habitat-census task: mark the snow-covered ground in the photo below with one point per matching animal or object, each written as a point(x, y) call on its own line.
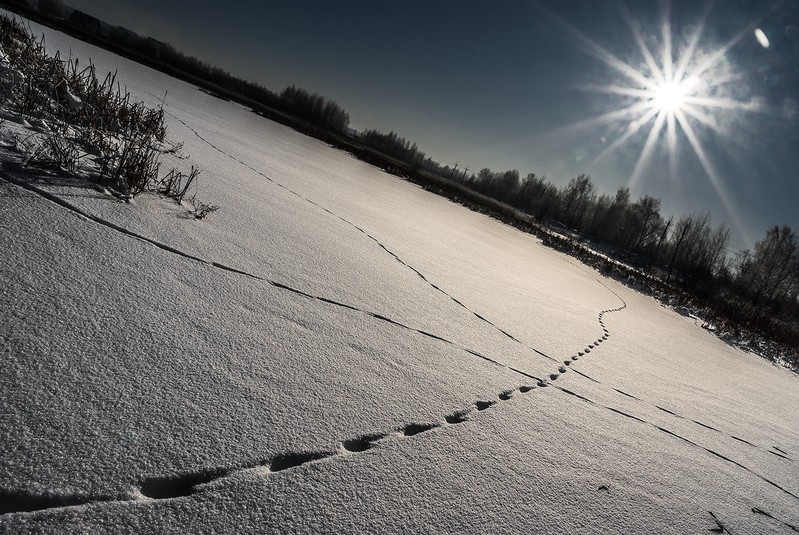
point(337, 350)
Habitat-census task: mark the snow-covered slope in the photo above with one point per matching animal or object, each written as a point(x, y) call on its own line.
point(337, 350)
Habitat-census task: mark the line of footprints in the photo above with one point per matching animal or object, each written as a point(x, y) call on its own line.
point(185, 485)
point(605, 336)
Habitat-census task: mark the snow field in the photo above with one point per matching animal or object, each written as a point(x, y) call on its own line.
point(449, 372)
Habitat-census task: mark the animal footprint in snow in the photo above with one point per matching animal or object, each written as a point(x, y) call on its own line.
point(483, 405)
point(360, 444)
point(414, 429)
point(457, 417)
point(290, 460)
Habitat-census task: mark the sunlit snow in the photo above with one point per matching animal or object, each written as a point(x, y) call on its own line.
point(337, 350)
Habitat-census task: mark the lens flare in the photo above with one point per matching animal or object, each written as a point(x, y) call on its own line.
point(760, 35)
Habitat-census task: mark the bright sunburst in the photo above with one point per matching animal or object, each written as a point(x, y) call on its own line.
point(669, 97)
point(678, 89)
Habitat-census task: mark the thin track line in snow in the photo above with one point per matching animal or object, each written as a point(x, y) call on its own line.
point(365, 233)
point(677, 436)
point(218, 265)
point(553, 376)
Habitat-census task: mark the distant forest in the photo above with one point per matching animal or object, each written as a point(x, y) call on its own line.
point(757, 290)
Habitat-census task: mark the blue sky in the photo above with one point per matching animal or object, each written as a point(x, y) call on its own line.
point(514, 84)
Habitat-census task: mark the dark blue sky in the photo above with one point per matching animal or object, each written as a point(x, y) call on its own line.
point(510, 85)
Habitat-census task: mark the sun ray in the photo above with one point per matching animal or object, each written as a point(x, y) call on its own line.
point(646, 152)
point(710, 171)
point(710, 122)
point(599, 52)
point(671, 138)
point(693, 44)
point(704, 118)
point(632, 129)
point(665, 30)
point(657, 73)
point(721, 102)
point(617, 90)
point(628, 112)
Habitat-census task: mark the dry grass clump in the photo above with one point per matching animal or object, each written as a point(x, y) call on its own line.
point(83, 123)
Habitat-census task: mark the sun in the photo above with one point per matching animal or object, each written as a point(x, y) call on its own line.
point(672, 96)
point(669, 97)
point(680, 93)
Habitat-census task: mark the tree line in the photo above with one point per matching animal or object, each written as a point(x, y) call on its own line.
point(394, 146)
point(689, 249)
point(311, 107)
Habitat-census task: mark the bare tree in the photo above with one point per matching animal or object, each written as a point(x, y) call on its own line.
point(576, 197)
point(643, 224)
point(771, 274)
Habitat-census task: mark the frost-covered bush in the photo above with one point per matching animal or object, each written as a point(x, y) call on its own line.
point(83, 122)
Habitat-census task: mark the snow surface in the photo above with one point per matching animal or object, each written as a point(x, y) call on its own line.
point(331, 310)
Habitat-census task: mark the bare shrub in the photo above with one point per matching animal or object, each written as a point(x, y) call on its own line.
point(57, 151)
point(202, 209)
point(176, 184)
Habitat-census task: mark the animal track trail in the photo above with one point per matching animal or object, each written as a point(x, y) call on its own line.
point(553, 376)
point(187, 484)
point(606, 336)
point(175, 486)
point(403, 262)
point(188, 256)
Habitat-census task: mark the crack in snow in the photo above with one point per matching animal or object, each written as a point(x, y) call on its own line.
point(680, 437)
point(365, 233)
